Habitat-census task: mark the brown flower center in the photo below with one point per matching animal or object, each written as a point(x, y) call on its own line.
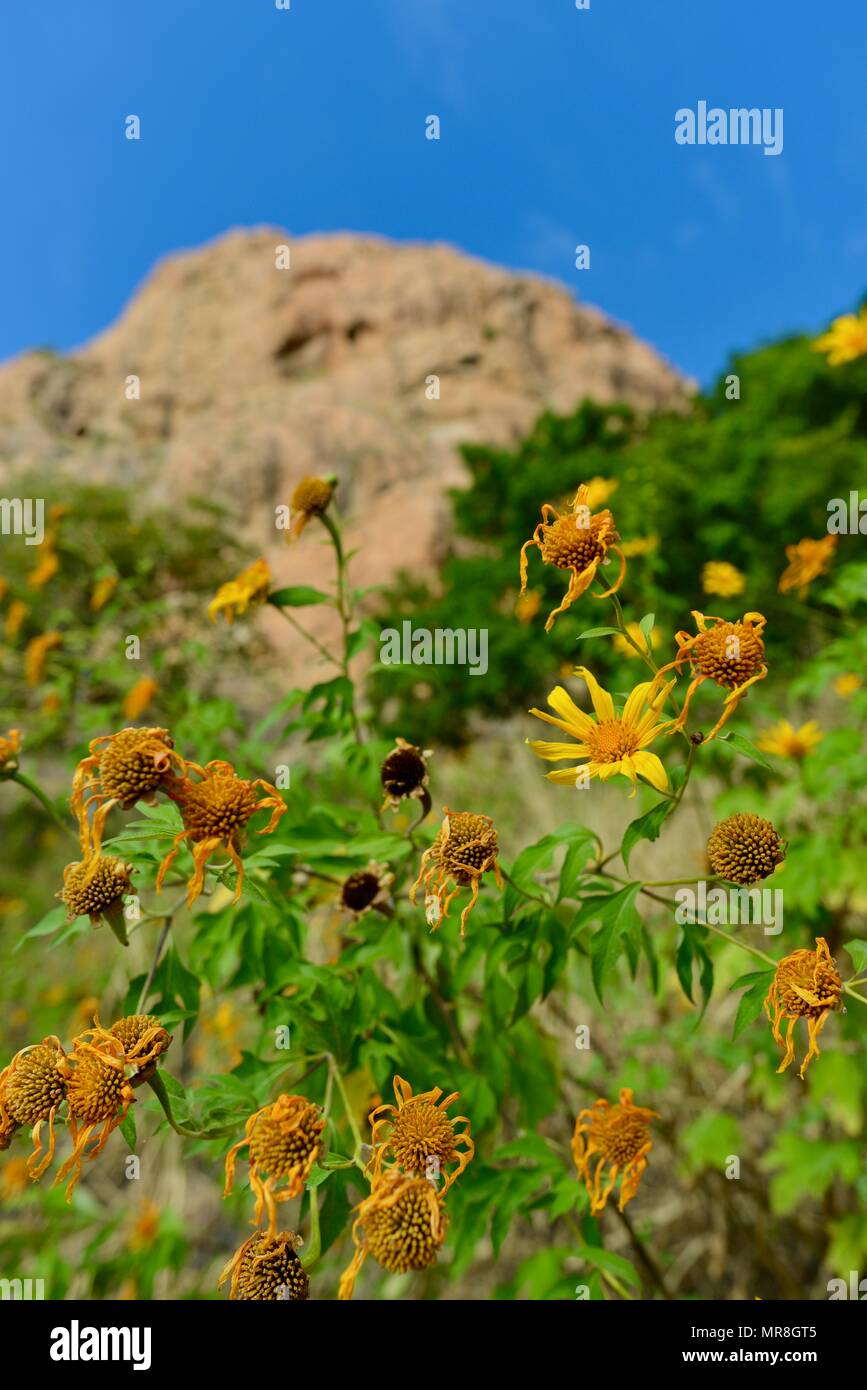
point(729, 653)
point(611, 741)
point(571, 546)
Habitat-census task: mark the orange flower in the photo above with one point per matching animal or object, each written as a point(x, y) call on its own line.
point(98, 1093)
point(283, 1141)
point(120, 770)
point(732, 655)
point(420, 1135)
point(578, 542)
point(10, 747)
point(102, 592)
point(402, 1224)
point(807, 560)
point(14, 618)
point(311, 498)
point(46, 569)
point(35, 653)
point(32, 1088)
point(141, 695)
point(618, 1137)
point(250, 587)
point(465, 848)
point(806, 985)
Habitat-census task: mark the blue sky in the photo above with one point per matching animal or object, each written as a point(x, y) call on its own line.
point(557, 128)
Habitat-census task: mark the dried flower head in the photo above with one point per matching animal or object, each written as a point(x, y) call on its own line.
point(402, 1224)
point(215, 811)
point(366, 888)
point(807, 561)
point(806, 985)
point(579, 542)
point(283, 1142)
point(96, 887)
point(142, 1037)
point(32, 1088)
point(267, 1268)
point(311, 498)
point(618, 1138)
point(465, 848)
point(731, 654)
point(120, 769)
point(10, 747)
point(405, 774)
point(97, 1093)
point(250, 587)
point(745, 848)
point(722, 578)
point(612, 743)
point(420, 1136)
point(845, 340)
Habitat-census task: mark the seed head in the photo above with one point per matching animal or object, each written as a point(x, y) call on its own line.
point(94, 886)
point(745, 848)
point(267, 1268)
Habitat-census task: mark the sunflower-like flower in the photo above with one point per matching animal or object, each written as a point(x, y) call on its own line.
point(806, 985)
point(10, 747)
point(139, 696)
point(365, 889)
point(402, 1224)
point(32, 1088)
point(266, 1268)
point(283, 1141)
point(612, 743)
point(404, 774)
point(36, 652)
point(142, 1037)
point(465, 848)
point(96, 886)
point(578, 541)
point(97, 1093)
point(788, 742)
point(845, 340)
point(731, 654)
point(807, 561)
point(311, 498)
point(420, 1137)
point(236, 596)
point(618, 1138)
point(745, 848)
point(722, 578)
point(121, 769)
point(215, 811)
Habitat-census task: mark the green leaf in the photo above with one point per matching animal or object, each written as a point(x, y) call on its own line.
point(647, 827)
point(127, 1129)
point(857, 950)
point(298, 596)
point(618, 914)
point(752, 1001)
point(44, 927)
point(606, 1260)
point(646, 625)
point(598, 632)
point(537, 856)
point(742, 745)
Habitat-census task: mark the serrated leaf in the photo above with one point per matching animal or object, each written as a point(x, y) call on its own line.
point(647, 827)
point(618, 915)
point(743, 746)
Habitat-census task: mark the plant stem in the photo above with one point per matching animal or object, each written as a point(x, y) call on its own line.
point(314, 1249)
point(45, 803)
point(348, 1111)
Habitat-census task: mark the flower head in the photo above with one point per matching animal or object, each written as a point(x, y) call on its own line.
point(139, 696)
point(464, 850)
point(97, 1093)
point(618, 1138)
point(404, 774)
point(722, 578)
point(846, 685)
point(32, 1088)
point(142, 1037)
point(731, 654)
point(402, 1224)
point(310, 498)
point(577, 541)
point(249, 587)
point(14, 620)
point(102, 592)
point(267, 1268)
point(283, 1142)
point(366, 888)
point(745, 848)
point(806, 985)
point(96, 887)
point(807, 561)
point(120, 770)
point(215, 811)
point(788, 742)
point(47, 566)
point(36, 652)
point(845, 340)
point(10, 747)
point(611, 743)
point(420, 1136)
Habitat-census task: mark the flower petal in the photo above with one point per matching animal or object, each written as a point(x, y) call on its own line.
point(602, 701)
point(649, 766)
point(555, 752)
point(561, 701)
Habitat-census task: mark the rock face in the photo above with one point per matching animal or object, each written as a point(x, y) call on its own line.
point(252, 375)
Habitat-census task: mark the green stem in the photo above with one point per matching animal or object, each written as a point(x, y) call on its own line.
point(157, 1085)
point(42, 798)
point(348, 1111)
point(531, 897)
point(314, 1248)
point(314, 641)
point(344, 608)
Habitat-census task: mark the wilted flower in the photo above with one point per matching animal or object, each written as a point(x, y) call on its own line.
point(138, 698)
point(845, 340)
point(465, 848)
point(402, 1224)
point(807, 561)
point(142, 1037)
point(732, 654)
point(618, 1137)
point(35, 653)
point(283, 1141)
point(32, 1088)
point(577, 541)
point(745, 848)
point(267, 1268)
point(310, 498)
point(788, 742)
point(806, 985)
point(366, 888)
point(215, 811)
point(97, 1093)
point(10, 747)
point(419, 1135)
point(612, 743)
point(404, 773)
point(96, 886)
point(722, 578)
point(249, 587)
point(121, 769)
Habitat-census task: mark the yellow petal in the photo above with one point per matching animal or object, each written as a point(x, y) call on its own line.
point(636, 702)
point(648, 766)
point(561, 701)
point(602, 701)
point(567, 776)
point(555, 752)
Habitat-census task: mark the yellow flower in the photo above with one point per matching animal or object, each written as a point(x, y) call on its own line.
point(721, 578)
point(10, 747)
point(807, 560)
point(626, 648)
point(847, 684)
point(120, 770)
point(311, 498)
point(36, 651)
point(96, 887)
point(788, 742)
point(806, 985)
point(618, 1138)
point(577, 541)
point(419, 1135)
point(14, 618)
point(250, 587)
point(146, 1226)
point(641, 545)
point(599, 490)
point(464, 850)
point(845, 340)
point(98, 1093)
point(731, 654)
point(402, 1224)
point(102, 592)
point(283, 1140)
point(528, 605)
point(32, 1088)
point(137, 700)
point(47, 567)
point(612, 743)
